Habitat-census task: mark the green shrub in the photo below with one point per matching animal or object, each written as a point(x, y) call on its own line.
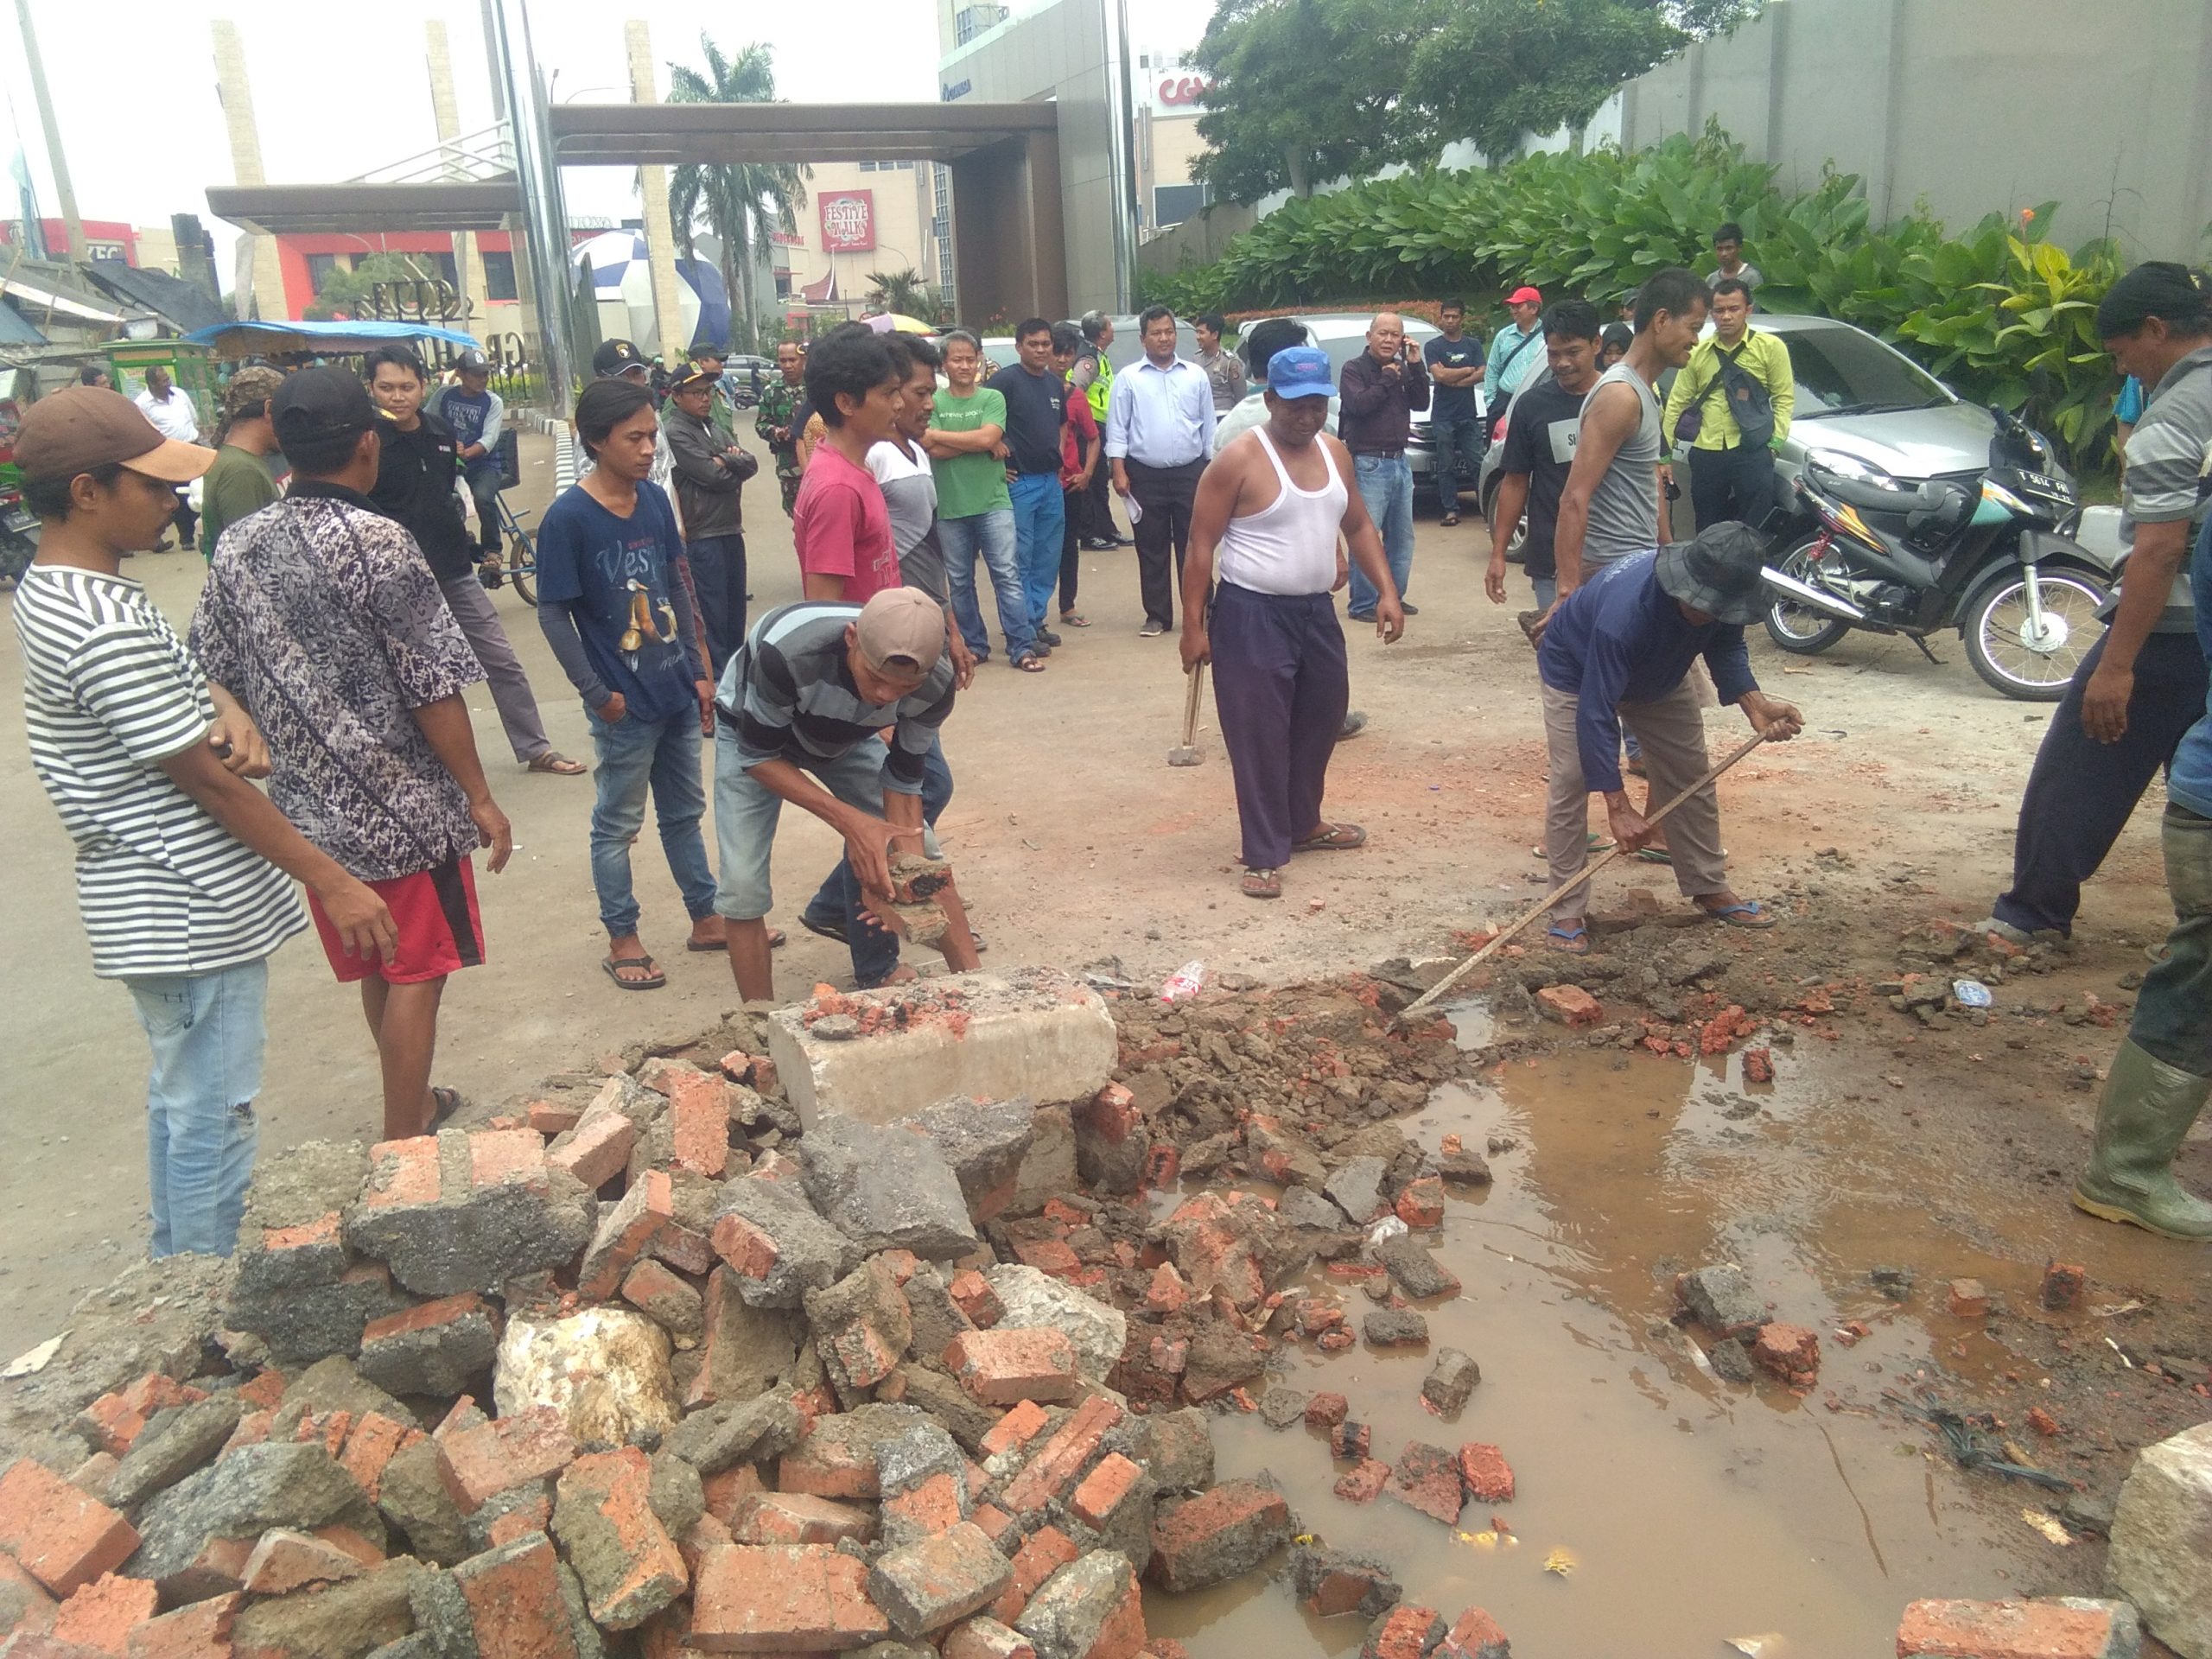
point(2003, 316)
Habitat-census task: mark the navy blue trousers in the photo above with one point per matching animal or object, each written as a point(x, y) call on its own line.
point(2082, 792)
point(1280, 686)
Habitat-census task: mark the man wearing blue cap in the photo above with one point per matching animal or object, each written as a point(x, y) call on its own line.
point(1270, 507)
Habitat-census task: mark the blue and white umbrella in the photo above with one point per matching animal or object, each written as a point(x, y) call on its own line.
point(621, 274)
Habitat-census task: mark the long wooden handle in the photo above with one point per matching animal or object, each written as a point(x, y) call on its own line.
point(1190, 706)
point(1552, 898)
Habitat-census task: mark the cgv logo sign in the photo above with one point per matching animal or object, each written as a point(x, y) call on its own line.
point(1182, 89)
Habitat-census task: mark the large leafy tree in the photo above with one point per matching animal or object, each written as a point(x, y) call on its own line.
point(1492, 70)
point(742, 204)
point(1305, 90)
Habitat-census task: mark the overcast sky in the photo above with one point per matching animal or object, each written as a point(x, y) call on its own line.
point(341, 89)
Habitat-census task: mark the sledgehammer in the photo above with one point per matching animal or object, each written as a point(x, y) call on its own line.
point(1187, 754)
point(1544, 904)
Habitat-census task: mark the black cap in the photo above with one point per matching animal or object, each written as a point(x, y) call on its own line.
point(472, 362)
point(2158, 288)
point(315, 405)
point(615, 357)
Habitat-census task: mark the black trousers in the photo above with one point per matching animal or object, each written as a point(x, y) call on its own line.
point(2082, 792)
point(1166, 494)
point(1071, 550)
point(188, 521)
point(1092, 511)
point(1736, 483)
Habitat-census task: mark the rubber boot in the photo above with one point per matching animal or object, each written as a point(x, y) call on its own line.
point(2148, 1107)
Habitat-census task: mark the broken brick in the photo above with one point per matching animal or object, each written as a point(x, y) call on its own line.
point(598, 1150)
point(1570, 1005)
point(1326, 1410)
point(102, 1613)
point(1001, 1366)
point(63, 1538)
point(480, 1462)
point(200, 1631)
point(1060, 1461)
point(1021, 1424)
point(1350, 1439)
point(2015, 1630)
point(2062, 1284)
point(1044, 1552)
point(937, 1581)
point(1476, 1635)
point(516, 1607)
point(284, 1560)
point(1427, 1478)
point(770, 1599)
point(1101, 1492)
point(649, 1205)
point(1790, 1351)
point(1421, 1205)
point(699, 1116)
point(1404, 1633)
point(1487, 1476)
point(1219, 1535)
point(603, 1515)
point(972, 1293)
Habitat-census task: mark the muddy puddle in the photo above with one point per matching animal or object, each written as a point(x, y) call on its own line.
point(1688, 1513)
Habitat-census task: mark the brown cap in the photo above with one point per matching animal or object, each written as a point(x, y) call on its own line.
point(80, 429)
point(901, 622)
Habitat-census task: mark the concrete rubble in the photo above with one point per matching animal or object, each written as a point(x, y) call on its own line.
point(864, 1340)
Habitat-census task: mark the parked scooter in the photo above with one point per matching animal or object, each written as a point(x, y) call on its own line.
point(18, 535)
point(1998, 563)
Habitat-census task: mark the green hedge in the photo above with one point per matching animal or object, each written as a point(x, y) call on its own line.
point(2003, 315)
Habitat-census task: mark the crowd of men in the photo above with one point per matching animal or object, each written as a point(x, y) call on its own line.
point(342, 621)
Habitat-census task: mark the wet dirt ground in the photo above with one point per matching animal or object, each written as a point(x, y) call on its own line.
point(1690, 1512)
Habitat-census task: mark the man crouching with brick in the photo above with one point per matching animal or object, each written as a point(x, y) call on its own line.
point(808, 693)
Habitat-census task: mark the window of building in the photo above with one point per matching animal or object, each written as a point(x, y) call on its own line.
point(1173, 203)
point(444, 268)
point(499, 277)
point(941, 224)
point(321, 267)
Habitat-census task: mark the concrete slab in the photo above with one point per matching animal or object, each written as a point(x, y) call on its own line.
point(1036, 1032)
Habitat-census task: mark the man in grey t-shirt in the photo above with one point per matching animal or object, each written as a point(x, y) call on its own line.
point(1611, 505)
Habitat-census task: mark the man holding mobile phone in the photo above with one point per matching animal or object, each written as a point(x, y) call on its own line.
point(1379, 391)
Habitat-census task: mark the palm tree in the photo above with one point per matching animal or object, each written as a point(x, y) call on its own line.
point(743, 204)
point(903, 291)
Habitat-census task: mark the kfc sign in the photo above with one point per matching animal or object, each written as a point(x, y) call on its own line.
point(848, 221)
point(1183, 89)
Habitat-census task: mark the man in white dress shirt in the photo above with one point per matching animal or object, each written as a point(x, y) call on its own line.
point(1158, 433)
point(172, 412)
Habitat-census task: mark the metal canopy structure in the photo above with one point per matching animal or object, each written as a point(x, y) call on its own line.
point(365, 209)
point(670, 134)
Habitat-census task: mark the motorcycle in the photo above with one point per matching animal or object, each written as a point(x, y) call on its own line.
point(1995, 559)
point(18, 536)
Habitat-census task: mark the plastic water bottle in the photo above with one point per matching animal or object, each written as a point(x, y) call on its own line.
point(1184, 981)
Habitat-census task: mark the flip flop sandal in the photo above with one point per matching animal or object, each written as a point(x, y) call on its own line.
point(1336, 838)
point(1448, 520)
point(613, 965)
point(1596, 843)
point(448, 1102)
point(1655, 855)
point(1261, 884)
point(559, 764)
point(1752, 913)
point(1033, 663)
point(1576, 944)
point(1072, 620)
point(831, 931)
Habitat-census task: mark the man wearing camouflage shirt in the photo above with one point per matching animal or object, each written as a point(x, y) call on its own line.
point(779, 403)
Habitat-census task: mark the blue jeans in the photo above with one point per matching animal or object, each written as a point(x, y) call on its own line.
point(635, 755)
point(1386, 484)
point(837, 903)
point(992, 535)
point(1040, 518)
point(1459, 457)
point(208, 1031)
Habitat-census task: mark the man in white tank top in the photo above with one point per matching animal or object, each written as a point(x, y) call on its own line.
point(1269, 511)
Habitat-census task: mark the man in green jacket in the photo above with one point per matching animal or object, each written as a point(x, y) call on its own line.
point(1730, 478)
point(779, 403)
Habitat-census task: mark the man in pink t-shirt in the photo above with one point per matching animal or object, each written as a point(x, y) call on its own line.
point(840, 525)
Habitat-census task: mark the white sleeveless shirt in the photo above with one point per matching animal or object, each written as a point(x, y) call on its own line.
point(1289, 546)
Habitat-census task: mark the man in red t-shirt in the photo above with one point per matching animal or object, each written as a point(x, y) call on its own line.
point(839, 524)
point(1080, 449)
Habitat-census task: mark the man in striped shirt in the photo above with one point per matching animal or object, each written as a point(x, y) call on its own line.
point(800, 713)
point(180, 862)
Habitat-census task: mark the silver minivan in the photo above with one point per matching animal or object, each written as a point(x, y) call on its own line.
point(1856, 397)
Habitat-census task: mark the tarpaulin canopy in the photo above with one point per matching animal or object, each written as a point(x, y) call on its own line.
point(334, 338)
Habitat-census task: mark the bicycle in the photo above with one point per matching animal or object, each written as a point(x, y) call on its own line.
point(520, 561)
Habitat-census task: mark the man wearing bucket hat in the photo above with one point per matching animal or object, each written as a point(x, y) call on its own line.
point(181, 863)
point(1618, 653)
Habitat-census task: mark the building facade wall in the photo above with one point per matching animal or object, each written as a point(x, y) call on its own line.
point(900, 196)
point(1057, 52)
point(1970, 106)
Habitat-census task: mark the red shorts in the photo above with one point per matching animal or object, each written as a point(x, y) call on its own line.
point(440, 931)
